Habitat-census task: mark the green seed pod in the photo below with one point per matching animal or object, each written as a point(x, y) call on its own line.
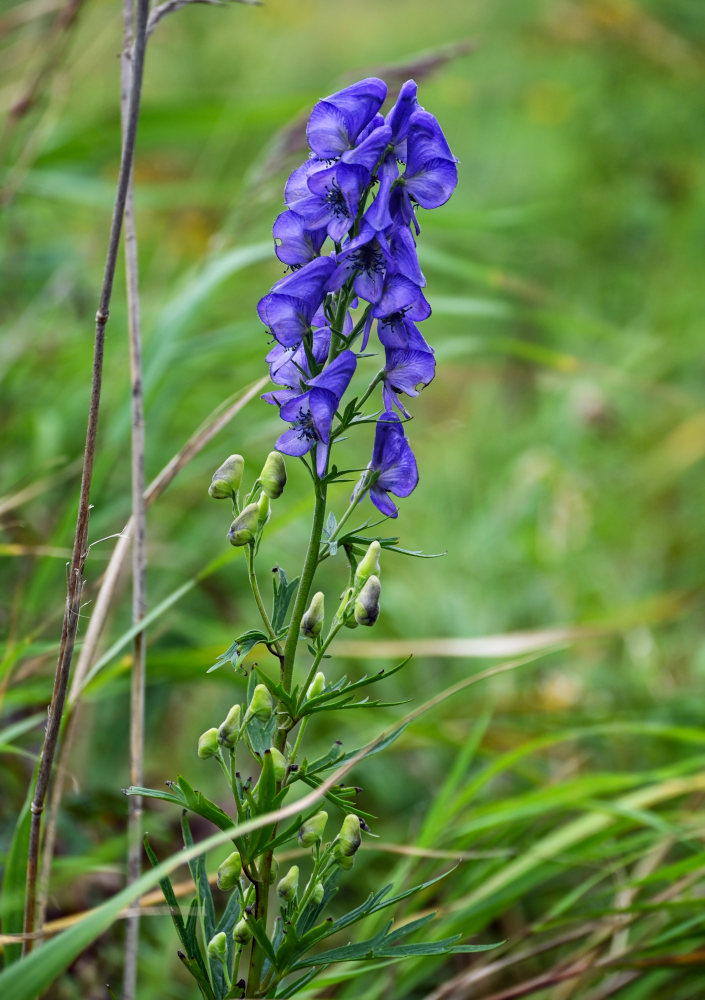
point(311, 832)
point(279, 762)
point(218, 946)
point(229, 871)
point(230, 727)
point(208, 745)
point(244, 527)
point(367, 603)
point(226, 480)
point(349, 839)
point(317, 685)
point(273, 475)
point(317, 893)
point(263, 511)
point(242, 933)
point(368, 565)
point(312, 621)
point(261, 706)
point(286, 889)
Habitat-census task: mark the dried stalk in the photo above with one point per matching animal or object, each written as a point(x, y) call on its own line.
point(78, 558)
point(139, 555)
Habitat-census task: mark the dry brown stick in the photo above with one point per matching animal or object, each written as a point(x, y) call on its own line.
point(195, 444)
point(78, 558)
point(139, 555)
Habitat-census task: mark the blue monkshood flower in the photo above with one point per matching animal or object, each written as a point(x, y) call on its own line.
point(294, 243)
point(398, 331)
point(400, 298)
point(337, 121)
point(290, 368)
point(408, 372)
point(394, 463)
point(366, 259)
point(293, 301)
point(431, 174)
point(399, 117)
point(311, 413)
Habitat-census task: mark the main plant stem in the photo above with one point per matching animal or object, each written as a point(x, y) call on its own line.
point(79, 554)
point(308, 572)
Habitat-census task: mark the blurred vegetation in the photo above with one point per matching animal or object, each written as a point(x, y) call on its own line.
point(560, 451)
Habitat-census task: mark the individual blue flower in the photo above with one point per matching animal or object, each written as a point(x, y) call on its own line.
point(365, 259)
point(431, 174)
point(393, 465)
point(406, 371)
point(337, 121)
point(311, 413)
point(293, 301)
point(290, 368)
point(294, 243)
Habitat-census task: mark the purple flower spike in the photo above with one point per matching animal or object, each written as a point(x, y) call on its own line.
point(393, 460)
point(294, 300)
point(408, 372)
point(338, 120)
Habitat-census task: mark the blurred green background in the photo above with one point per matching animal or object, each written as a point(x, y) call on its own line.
point(560, 446)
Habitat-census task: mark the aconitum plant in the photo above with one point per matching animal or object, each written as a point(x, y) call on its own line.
point(348, 239)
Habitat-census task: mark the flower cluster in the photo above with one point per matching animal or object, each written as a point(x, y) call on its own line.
point(360, 188)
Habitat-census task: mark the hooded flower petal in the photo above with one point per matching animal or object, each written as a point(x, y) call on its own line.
point(408, 372)
point(336, 377)
point(337, 121)
point(293, 301)
point(294, 243)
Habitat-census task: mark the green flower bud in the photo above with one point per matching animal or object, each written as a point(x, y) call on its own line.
point(317, 685)
point(279, 762)
point(349, 838)
point(261, 706)
point(317, 893)
point(367, 603)
point(226, 480)
point(242, 933)
point(273, 475)
point(245, 526)
point(230, 727)
point(312, 621)
point(344, 862)
point(289, 884)
point(311, 832)
point(218, 946)
point(368, 565)
point(208, 745)
point(229, 871)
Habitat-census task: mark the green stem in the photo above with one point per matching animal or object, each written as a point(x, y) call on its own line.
point(302, 594)
point(299, 737)
point(258, 598)
point(314, 667)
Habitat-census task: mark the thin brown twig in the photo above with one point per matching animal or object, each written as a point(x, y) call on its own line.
point(78, 558)
point(139, 554)
point(219, 419)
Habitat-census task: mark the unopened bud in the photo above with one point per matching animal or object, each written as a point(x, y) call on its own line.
point(317, 893)
point(279, 762)
point(261, 706)
point(368, 565)
point(244, 527)
point(218, 946)
point(273, 475)
point(311, 832)
point(241, 932)
point(226, 480)
point(230, 727)
point(229, 871)
point(367, 603)
point(263, 511)
point(312, 621)
point(208, 745)
point(289, 884)
point(317, 685)
point(349, 838)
